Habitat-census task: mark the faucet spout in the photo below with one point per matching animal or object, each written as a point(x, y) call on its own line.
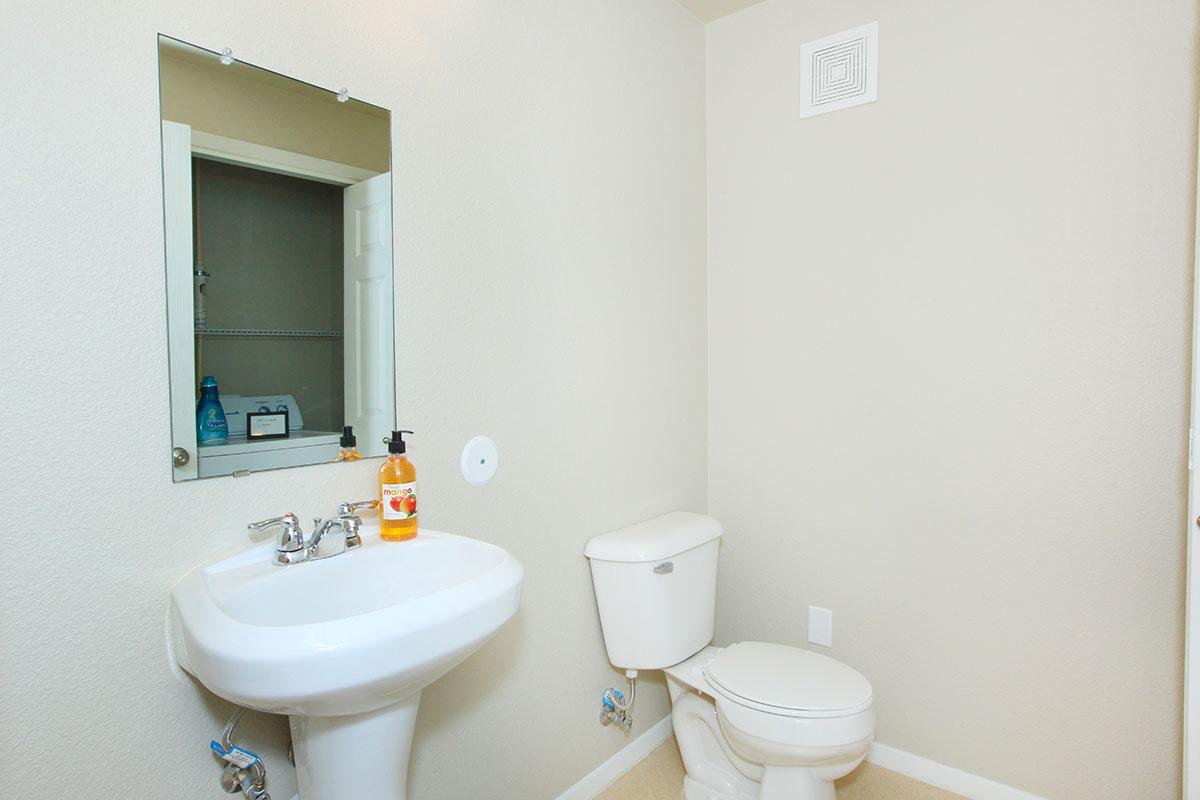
point(348, 524)
point(322, 528)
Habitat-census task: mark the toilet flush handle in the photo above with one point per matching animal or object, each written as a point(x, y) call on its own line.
point(665, 568)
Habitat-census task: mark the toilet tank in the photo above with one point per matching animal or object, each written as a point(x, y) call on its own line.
point(656, 588)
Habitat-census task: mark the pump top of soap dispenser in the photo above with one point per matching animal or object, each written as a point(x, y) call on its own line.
point(349, 442)
point(396, 443)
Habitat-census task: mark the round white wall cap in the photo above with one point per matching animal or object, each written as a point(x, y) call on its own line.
point(480, 458)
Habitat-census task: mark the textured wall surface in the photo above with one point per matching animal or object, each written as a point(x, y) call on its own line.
point(549, 174)
point(949, 372)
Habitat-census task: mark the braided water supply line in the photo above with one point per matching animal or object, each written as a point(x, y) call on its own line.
point(253, 784)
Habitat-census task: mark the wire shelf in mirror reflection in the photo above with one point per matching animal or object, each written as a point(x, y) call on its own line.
point(297, 334)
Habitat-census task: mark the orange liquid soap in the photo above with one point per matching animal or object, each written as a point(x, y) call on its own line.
point(397, 493)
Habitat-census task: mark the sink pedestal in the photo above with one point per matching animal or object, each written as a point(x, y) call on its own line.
point(363, 756)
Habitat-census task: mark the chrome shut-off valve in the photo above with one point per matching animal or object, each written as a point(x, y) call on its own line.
point(610, 712)
point(614, 707)
point(236, 779)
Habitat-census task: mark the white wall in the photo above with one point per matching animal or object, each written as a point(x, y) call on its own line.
point(948, 361)
point(549, 165)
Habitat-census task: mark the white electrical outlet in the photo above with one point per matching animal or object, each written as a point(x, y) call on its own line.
point(820, 626)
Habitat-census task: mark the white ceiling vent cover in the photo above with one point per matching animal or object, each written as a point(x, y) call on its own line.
point(840, 71)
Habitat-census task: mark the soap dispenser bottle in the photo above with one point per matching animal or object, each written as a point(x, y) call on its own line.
point(211, 427)
point(397, 493)
point(349, 443)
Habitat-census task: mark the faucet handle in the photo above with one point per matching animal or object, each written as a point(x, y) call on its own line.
point(345, 509)
point(351, 522)
point(291, 537)
point(350, 526)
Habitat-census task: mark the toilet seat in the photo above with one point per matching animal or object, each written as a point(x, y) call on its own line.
point(788, 681)
point(783, 706)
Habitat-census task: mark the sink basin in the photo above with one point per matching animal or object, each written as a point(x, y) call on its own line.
point(343, 645)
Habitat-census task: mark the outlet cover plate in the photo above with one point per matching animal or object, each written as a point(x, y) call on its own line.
point(820, 626)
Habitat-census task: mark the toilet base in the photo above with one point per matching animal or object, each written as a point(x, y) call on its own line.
point(782, 783)
point(714, 771)
point(694, 790)
point(779, 783)
point(795, 783)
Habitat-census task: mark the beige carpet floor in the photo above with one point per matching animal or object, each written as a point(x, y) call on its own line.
point(660, 777)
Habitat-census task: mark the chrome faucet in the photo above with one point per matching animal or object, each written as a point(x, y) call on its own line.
point(289, 547)
point(293, 548)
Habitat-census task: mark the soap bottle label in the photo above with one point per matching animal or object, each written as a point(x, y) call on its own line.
point(399, 500)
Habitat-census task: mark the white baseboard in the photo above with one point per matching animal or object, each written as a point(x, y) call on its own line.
point(917, 767)
point(940, 775)
point(621, 762)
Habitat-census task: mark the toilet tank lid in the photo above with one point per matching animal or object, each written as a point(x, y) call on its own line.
point(654, 539)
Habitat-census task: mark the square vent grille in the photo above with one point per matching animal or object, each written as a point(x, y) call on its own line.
point(839, 71)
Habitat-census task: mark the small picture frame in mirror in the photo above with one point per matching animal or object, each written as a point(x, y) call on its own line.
point(267, 425)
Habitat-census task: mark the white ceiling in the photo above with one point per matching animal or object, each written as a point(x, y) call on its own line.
point(708, 10)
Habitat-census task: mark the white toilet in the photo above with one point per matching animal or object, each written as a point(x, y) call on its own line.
point(753, 720)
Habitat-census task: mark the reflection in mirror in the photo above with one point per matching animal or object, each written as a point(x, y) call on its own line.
point(277, 208)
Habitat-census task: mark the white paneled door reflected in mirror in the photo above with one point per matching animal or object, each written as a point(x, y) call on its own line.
point(277, 205)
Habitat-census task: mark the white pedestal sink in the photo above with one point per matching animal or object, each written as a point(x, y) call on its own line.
point(344, 645)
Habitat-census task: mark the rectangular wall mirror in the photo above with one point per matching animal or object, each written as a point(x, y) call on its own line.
point(277, 202)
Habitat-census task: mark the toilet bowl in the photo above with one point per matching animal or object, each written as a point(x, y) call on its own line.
point(753, 720)
point(736, 743)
